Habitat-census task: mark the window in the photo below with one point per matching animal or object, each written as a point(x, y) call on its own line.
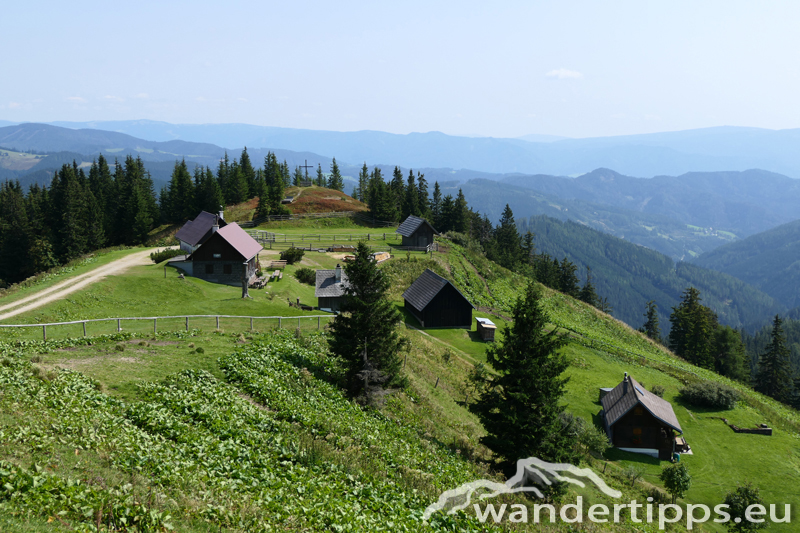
point(209, 268)
point(227, 269)
point(217, 256)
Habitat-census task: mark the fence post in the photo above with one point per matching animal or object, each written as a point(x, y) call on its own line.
point(119, 325)
point(384, 236)
point(84, 329)
point(155, 326)
point(279, 322)
point(298, 322)
point(251, 323)
point(187, 323)
point(319, 321)
point(44, 333)
point(217, 322)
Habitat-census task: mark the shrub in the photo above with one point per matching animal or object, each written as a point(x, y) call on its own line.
point(710, 394)
point(306, 275)
point(292, 255)
point(658, 390)
point(163, 255)
point(120, 347)
point(200, 350)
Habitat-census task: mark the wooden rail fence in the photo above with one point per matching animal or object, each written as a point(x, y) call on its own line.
point(155, 319)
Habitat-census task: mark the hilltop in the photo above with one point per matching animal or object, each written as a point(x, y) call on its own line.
point(244, 410)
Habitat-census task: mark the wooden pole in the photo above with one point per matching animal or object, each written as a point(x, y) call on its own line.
point(119, 325)
point(155, 326)
point(217, 322)
point(84, 329)
point(251, 323)
point(279, 323)
point(319, 322)
point(187, 323)
point(298, 322)
point(44, 332)
point(437, 383)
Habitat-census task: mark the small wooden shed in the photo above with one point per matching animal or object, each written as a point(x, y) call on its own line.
point(228, 256)
point(330, 289)
point(486, 329)
point(416, 232)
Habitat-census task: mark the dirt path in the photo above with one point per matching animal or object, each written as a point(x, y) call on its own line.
point(66, 287)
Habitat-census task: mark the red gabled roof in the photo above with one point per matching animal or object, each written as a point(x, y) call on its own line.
point(240, 240)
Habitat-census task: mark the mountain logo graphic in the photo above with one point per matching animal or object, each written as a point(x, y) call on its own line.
point(529, 470)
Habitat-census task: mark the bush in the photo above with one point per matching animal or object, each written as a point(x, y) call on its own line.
point(292, 255)
point(658, 390)
point(306, 275)
point(163, 255)
point(710, 394)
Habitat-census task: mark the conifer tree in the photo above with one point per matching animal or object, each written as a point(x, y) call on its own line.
point(367, 322)
point(520, 409)
point(436, 206)
point(320, 181)
point(179, 204)
point(567, 279)
point(691, 334)
point(588, 294)
point(16, 238)
point(249, 174)
point(506, 247)
point(651, 326)
point(397, 186)
point(447, 216)
point(410, 198)
point(460, 213)
point(335, 180)
point(297, 179)
point(102, 186)
point(422, 195)
point(774, 377)
point(363, 183)
point(730, 357)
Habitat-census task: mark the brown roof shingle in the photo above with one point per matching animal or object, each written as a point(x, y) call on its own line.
point(622, 399)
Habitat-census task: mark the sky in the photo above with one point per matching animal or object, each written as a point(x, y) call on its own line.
point(503, 69)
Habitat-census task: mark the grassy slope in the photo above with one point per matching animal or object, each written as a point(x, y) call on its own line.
point(721, 458)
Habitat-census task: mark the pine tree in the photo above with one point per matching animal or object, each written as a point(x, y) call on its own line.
point(335, 180)
point(460, 213)
point(691, 334)
point(363, 183)
point(588, 294)
point(367, 322)
point(410, 198)
point(179, 204)
point(320, 182)
point(730, 357)
point(651, 327)
point(397, 186)
point(102, 186)
point(297, 179)
point(422, 195)
point(249, 174)
point(507, 247)
point(436, 206)
point(567, 279)
point(16, 237)
point(520, 409)
point(447, 216)
point(774, 377)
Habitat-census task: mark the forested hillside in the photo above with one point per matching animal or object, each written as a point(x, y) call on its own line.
point(630, 275)
point(768, 260)
point(658, 232)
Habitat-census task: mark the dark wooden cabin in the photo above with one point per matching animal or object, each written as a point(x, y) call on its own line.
point(416, 232)
point(330, 289)
point(436, 303)
point(227, 256)
point(636, 420)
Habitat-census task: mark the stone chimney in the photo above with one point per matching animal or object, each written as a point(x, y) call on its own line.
point(215, 227)
point(221, 213)
point(625, 384)
point(338, 274)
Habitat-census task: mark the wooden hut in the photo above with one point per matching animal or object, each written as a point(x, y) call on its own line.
point(636, 420)
point(329, 289)
point(195, 232)
point(227, 256)
point(436, 303)
point(486, 329)
point(416, 232)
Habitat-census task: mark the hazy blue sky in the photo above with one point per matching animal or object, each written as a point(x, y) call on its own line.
point(567, 68)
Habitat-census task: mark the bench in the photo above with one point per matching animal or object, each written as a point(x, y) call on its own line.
point(278, 264)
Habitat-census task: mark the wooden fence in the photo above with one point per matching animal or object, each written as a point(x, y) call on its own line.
point(361, 217)
point(282, 321)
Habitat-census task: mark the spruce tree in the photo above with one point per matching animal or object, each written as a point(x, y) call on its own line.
point(507, 246)
point(367, 322)
point(651, 327)
point(335, 180)
point(567, 279)
point(363, 183)
point(691, 334)
point(520, 409)
point(249, 174)
point(436, 206)
point(774, 377)
point(320, 182)
point(422, 195)
point(588, 294)
point(410, 198)
point(460, 213)
point(730, 357)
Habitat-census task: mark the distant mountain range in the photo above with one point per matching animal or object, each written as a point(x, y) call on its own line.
point(768, 260)
point(670, 153)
